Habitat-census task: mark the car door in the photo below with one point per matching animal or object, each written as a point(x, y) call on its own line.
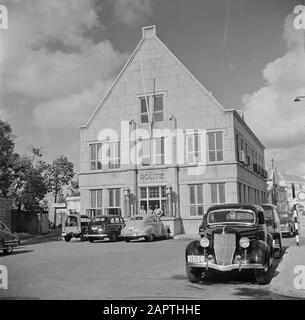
point(2, 235)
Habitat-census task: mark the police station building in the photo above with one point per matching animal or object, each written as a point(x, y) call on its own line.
point(160, 140)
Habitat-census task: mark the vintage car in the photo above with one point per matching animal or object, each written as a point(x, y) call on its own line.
point(274, 227)
point(147, 226)
point(75, 226)
point(105, 226)
point(8, 240)
point(233, 237)
point(287, 223)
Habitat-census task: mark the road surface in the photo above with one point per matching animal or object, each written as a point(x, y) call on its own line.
point(120, 270)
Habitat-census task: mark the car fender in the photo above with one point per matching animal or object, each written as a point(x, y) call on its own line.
point(194, 248)
point(149, 230)
point(260, 252)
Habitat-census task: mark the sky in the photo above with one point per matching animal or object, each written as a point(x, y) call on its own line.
point(58, 58)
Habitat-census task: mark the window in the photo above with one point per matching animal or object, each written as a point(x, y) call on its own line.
point(218, 193)
point(144, 109)
point(152, 151)
point(159, 151)
point(113, 154)
point(196, 199)
point(95, 202)
point(158, 108)
point(193, 148)
point(114, 198)
point(95, 157)
point(215, 146)
point(152, 198)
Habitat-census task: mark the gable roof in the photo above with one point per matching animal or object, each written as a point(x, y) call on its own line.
point(150, 29)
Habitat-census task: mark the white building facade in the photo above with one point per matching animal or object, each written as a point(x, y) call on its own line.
point(159, 139)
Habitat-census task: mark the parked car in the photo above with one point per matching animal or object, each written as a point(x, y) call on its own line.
point(75, 226)
point(8, 240)
point(105, 226)
point(147, 226)
point(233, 237)
point(274, 227)
point(287, 223)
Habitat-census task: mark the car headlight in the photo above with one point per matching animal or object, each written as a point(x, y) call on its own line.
point(204, 242)
point(244, 242)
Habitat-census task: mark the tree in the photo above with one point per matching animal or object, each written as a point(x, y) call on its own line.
point(7, 158)
point(30, 183)
point(60, 174)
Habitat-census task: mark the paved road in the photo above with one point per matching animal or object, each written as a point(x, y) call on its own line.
point(105, 270)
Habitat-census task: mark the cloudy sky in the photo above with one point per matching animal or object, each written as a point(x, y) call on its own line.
point(58, 57)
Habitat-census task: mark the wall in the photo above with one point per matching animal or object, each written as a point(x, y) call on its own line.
point(5, 209)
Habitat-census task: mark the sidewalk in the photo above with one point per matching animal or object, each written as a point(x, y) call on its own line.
point(287, 277)
point(28, 239)
point(186, 236)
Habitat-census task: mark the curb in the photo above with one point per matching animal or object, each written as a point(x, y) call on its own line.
point(282, 284)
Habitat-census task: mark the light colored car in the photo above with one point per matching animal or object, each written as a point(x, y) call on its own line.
point(145, 226)
point(8, 240)
point(75, 226)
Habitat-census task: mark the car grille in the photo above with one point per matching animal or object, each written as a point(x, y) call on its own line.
point(224, 247)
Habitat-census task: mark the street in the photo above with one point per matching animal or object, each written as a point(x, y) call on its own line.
point(120, 270)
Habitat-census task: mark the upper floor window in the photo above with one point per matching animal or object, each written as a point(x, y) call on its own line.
point(156, 101)
point(113, 154)
point(215, 146)
point(152, 152)
point(95, 160)
point(193, 148)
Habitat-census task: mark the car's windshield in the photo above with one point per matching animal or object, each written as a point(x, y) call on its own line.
point(228, 216)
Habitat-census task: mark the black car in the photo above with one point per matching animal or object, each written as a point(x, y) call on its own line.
point(105, 226)
point(274, 227)
point(8, 240)
point(233, 237)
point(287, 223)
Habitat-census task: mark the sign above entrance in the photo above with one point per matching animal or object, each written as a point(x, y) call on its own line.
point(151, 176)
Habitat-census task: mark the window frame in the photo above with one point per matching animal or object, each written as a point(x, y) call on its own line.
point(197, 204)
point(218, 195)
point(216, 150)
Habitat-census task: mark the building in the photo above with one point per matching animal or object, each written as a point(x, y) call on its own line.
point(130, 163)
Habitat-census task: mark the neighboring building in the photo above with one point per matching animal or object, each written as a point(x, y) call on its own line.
point(277, 193)
point(295, 188)
point(155, 91)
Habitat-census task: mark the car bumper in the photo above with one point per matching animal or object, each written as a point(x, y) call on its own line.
point(134, 235)
point(96, 236)
point(230, 267)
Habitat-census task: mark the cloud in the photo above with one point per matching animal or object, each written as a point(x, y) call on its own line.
point(131, 12)
point(50, 58)
point(70, 111)
point(270, 111)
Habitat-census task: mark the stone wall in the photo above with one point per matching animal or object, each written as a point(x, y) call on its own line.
point(5, 210)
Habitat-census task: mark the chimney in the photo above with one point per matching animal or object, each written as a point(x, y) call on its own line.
point(148, 32)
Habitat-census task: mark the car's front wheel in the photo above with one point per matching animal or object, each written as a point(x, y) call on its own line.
point(8, 250)
point(149, 238)
point(91, 240)
point(114, 237)
point(67, 239)
point(262, 276)
point(194, 275)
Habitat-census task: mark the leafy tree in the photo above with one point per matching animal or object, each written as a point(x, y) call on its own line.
point(60, 174)
point(30, 184)
point(7, 158)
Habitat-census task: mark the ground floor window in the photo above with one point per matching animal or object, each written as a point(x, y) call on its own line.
point(95, 202)
point(114, 201)
point(196, 199)
point(218, 193)
point(152, 198)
